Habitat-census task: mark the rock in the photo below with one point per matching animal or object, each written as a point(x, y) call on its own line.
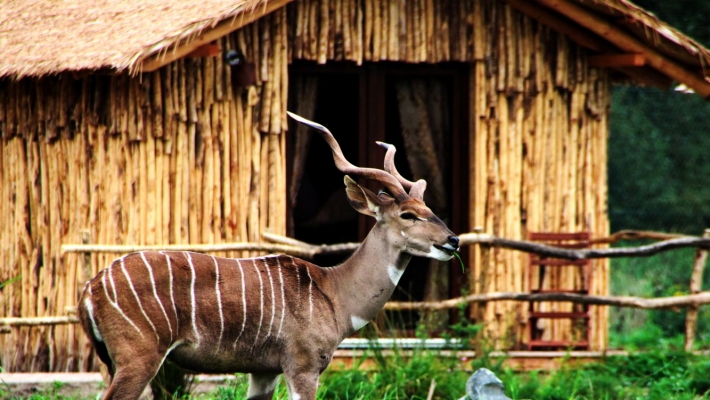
point(484, 385)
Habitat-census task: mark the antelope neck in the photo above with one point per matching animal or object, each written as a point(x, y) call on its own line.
point(365, 281)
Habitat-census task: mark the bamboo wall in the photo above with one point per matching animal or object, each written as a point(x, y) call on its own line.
point(177, 156)
point(538, 127)
point(174, 156)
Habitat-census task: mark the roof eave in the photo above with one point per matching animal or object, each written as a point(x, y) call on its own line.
point(628, 43)
point(178, 46)
point(591, 30)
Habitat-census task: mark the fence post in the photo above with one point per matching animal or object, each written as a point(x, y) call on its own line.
point(696, 281)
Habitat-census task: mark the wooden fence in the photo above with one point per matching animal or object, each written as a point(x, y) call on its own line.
point(277, 243)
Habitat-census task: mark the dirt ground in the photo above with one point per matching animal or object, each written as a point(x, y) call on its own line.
point(82, 385)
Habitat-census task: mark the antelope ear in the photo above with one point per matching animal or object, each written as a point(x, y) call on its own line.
point(362, 199)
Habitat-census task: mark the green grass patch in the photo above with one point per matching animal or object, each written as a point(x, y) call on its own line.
point(655, 375)
point(662, 375)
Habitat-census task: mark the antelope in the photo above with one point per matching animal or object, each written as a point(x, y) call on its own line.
point(265, 316)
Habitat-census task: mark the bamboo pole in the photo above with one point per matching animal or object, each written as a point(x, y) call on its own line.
point(377, 32)
point(38, 321)
point(334, 23)
point(264, 183)
point(277, 60)
point(220, 247)
point(358, 32)
point(300, 24)
point(324, 28)
point(273, 211)
point(207, 177)
point(313, 37)
point(217, 206)
point(392, 31)
point(348, 9)
point(243, 169)
point(253, 215)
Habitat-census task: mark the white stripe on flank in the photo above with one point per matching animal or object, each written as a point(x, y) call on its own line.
point(113, 284)
point(283, 297)
point(172, 297)
point(155, 293)
point(310, 291)
point(192, 296)
point(90, 310)
point(138, 300)
point(115, 303)
point(244, 302)
point(298, 279)
point(273, 297)
point(261, 307)
point(219, 302)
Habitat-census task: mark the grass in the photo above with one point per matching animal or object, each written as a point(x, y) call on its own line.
point(661, 375)
point(658, 375)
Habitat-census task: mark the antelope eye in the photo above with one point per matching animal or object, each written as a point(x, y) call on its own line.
point(407, 215)
point(383, 193)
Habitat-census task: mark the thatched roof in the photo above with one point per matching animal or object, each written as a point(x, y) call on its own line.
point(648, 27)
point(39, 37)
point(630, 40)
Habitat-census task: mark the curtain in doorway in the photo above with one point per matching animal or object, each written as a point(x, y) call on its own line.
point(425, 119)
point(306, 91)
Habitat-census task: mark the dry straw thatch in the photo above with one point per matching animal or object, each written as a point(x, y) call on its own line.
point(39, 37)
point(644, 24)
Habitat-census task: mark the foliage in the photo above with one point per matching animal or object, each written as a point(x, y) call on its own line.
point(659, 179)
point(666, 274)
point(654, 375)
point(657, 375)
point(9, 281)
point(661, 374)
point(659, 174)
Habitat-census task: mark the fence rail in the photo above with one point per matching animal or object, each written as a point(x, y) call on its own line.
point(282, 244)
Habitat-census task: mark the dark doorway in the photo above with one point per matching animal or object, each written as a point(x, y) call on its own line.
point(419, 109)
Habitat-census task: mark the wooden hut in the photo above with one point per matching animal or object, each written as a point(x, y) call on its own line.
point(126, 122)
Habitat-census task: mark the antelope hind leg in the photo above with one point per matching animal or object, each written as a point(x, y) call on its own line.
point(262, 386)
point(132, 376)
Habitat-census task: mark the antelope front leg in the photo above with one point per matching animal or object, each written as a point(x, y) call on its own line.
point(262, 386)
point(303, 385)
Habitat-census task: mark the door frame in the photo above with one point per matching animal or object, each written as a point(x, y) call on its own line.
point(371, 117)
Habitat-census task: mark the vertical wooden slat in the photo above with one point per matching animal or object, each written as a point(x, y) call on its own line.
point(324, 28)
point(358, 32)
point(207, 171)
